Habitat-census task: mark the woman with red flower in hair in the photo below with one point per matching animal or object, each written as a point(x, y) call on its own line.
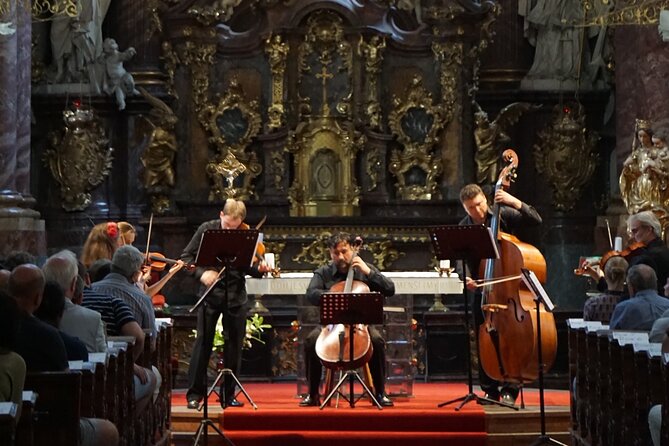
point(101, 243)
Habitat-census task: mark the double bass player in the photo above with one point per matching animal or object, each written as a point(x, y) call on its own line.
point(513, 214)
point(342, 254)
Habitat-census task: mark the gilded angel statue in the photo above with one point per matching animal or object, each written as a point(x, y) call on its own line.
point(160, 151)
point(489, 136)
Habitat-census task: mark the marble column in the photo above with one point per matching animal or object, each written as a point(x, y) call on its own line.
point(20, 225)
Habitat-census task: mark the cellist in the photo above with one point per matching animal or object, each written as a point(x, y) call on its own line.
point(513, 214)
point(231, 217)
point(342, 256)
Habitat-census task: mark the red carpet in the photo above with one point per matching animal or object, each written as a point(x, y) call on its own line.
point(280, 421)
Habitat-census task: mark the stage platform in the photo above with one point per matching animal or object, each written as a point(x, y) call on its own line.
point(280, 421)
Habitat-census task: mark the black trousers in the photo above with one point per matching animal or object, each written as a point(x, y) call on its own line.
point(488, 385)
point(232, 351)
point(377, 363)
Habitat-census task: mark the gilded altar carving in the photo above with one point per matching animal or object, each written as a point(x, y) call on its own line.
point(566, 154)
point(159, 153)
point(277, 54)
point(217, 12)
point(371, 53)
point(277, 169)
point(373, 167)
point(170, 60)
point(324, 154)
point(416, 121)
point(232, 123)
point(449, 55)
point(80, 158)
point(317, 254)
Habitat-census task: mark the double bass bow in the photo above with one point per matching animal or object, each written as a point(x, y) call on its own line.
point(332, 345)
point(508, 335)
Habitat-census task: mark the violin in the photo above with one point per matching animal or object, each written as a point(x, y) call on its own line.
point(157, 262)
point(633, 250)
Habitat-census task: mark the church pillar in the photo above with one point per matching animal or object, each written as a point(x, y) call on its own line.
point(20, 225)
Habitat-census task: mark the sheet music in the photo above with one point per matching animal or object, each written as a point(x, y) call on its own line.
point(532, 282)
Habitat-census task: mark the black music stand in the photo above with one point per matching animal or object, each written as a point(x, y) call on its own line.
point(224, 249)
point(540, 296)
point(463, 243)
point(351, 309)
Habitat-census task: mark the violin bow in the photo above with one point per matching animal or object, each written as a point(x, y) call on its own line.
point(608, 228)
point(148, 238)
point(261, 222)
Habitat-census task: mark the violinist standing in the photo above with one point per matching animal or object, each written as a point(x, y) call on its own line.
point(645, 228)
point(342, 255)
point(513, 214)
point(231, 217)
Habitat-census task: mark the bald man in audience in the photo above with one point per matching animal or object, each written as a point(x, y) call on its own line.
point(43, 350)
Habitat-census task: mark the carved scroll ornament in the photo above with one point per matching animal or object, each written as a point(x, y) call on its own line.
point(80, 158)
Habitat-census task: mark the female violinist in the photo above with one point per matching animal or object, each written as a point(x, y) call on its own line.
point(514, 214)
point(342, 249)
point(237, 306)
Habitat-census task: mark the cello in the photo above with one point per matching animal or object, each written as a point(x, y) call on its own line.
point(508, 336)
point(332, 345)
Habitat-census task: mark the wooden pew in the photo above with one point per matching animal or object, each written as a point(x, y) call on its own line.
point(8, 422)
point(26, 425)
point(120, 387)
point(646, 380)
point(57, 409)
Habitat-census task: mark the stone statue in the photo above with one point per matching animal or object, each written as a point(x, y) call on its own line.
point(644, 179)
point(118, 82)
point(76, 44)
point(563, 59)
point(490, 136)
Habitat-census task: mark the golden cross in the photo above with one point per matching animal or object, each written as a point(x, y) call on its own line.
point(325, 76)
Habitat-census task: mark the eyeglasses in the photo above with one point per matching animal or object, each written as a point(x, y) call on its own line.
point(633, 231)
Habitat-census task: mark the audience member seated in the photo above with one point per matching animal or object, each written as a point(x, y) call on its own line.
point(4, 278)
point(51, 311)
point(119, 320)
point(42, 348)
point(12, 365)
point(661, 325)
point(600, 307)
point(16, 258)
point(126, 268)
point(645, 306)
point(77, 321)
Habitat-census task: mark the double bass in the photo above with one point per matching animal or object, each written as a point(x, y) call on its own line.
point(508, 336)
point(333, 343)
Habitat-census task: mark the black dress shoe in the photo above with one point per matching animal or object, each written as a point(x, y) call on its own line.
point(489, 396)
point(193, 402)
point(508, 398)
point(383, 400)
point(231, 402)
point(310, 400)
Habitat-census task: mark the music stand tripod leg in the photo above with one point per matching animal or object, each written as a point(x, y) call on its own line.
point(202, 430)
point(351, 375)
point(241, 388)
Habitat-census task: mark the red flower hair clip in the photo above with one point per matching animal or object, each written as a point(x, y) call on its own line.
point(112, 230)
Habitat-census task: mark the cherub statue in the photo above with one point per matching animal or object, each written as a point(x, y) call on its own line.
point(117, 81)
point(489, 136)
